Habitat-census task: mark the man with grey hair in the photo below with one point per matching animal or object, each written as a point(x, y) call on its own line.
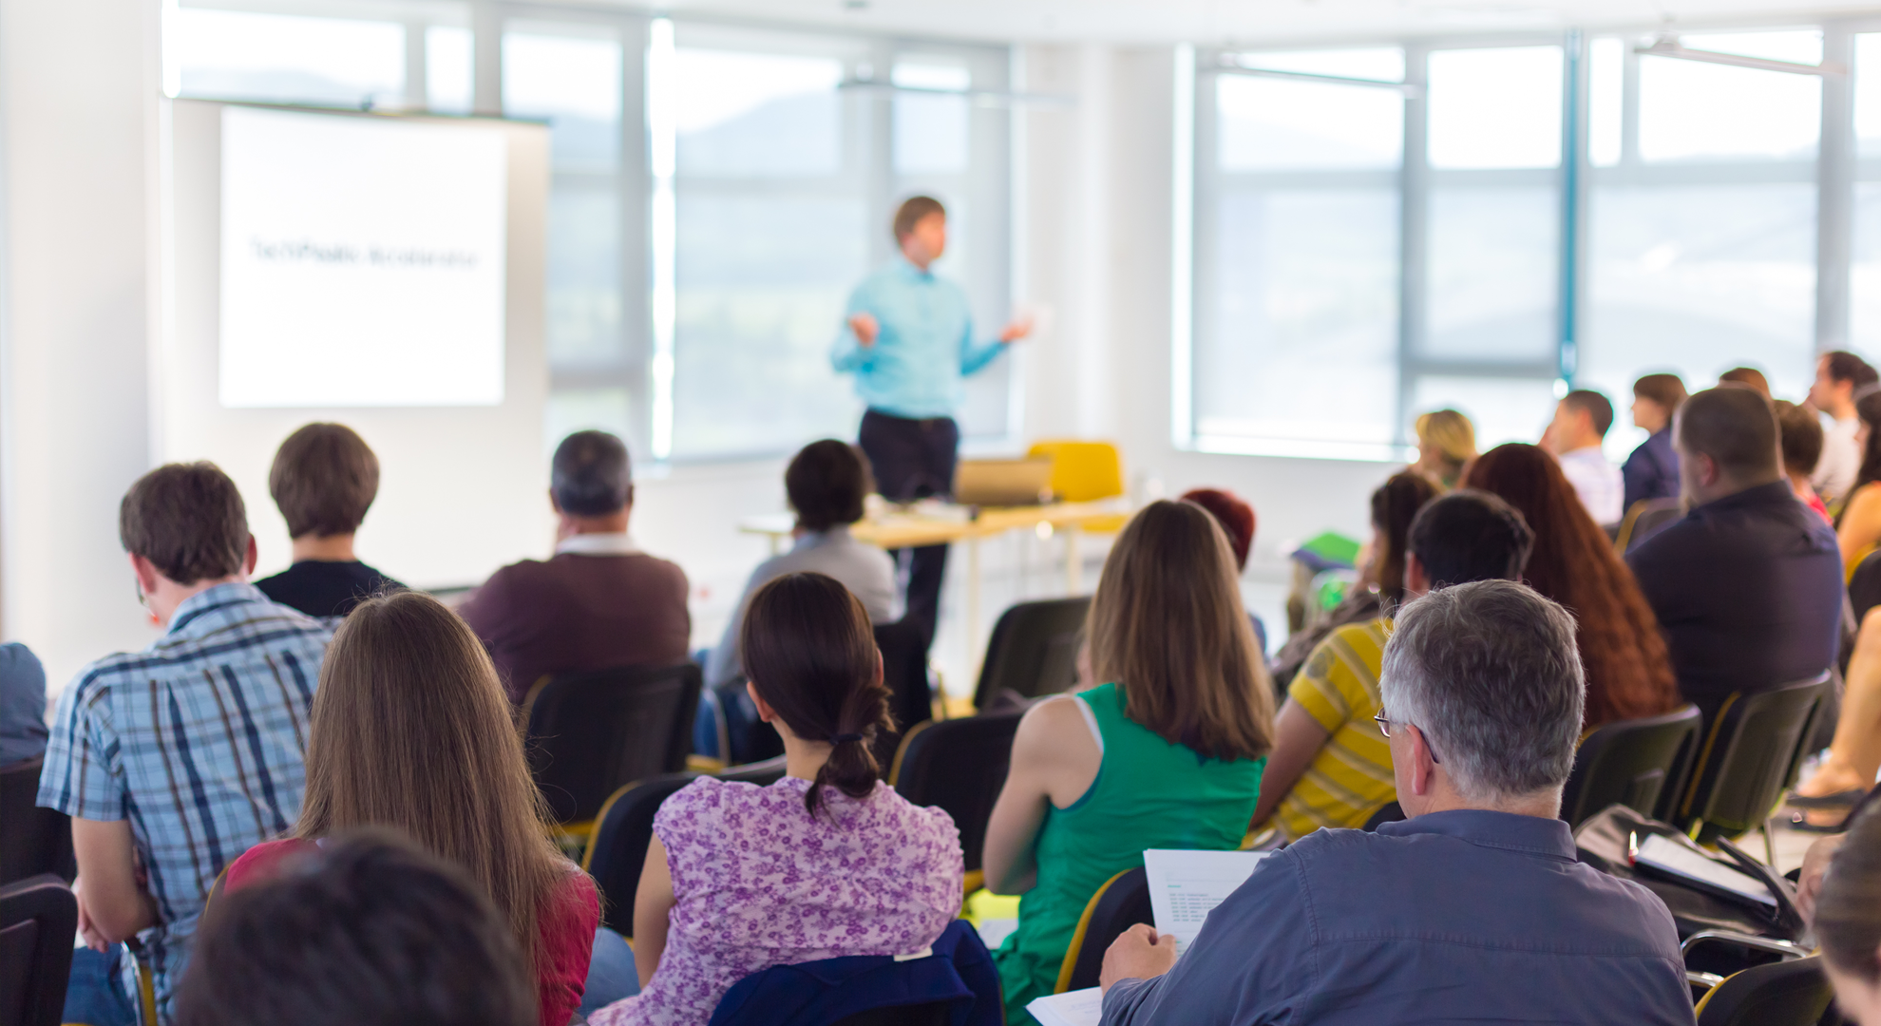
point(600, 603)
point(1473, 909)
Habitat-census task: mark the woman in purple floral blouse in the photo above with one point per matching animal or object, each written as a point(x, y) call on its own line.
point(827, 862)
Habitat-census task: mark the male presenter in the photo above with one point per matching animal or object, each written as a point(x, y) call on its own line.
point(909, 340)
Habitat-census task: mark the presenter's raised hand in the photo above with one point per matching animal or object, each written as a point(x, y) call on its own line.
point(866, 328)
point(1020, 327)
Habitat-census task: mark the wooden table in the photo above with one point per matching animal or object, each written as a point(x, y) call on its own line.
point(911, 527)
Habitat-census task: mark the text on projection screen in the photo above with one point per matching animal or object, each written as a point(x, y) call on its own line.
point(362, 261)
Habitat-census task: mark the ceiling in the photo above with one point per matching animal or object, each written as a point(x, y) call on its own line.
point(1218, 22)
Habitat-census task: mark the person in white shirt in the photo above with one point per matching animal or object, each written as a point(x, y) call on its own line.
point(1840, 376)
point(1580, 422)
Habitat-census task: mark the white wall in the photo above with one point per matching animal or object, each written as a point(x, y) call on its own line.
point(79, 110)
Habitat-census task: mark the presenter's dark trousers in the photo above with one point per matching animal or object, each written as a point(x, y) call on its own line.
point(914, 459)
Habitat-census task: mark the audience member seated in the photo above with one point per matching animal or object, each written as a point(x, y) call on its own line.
point(1747, 586)
point(1331, 765)
point(826, 483)
point(1472, 910)
point(411, 730)
point(1381, 578)
point(1652, 471)
point(1841, 377)
point(600, 603)
point(1800, 440)
point(1167, 754)
point(1749, 377)
point(1236, 518)
point(1446, 443)
point(1848, 770)
point(323, 480)
point(1847, 916)
point(22, 704)
point(173, 760)
point(1858, 527)
point(1629, 671)
point(368, 931)
point(1581, 420)
point(827, 862)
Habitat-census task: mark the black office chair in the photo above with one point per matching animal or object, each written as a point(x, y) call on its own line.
point(38, 919)
point(1632, 763)
point(1123, 901)
point(34, 840)
point(1389, 812)
point(959, 765)
point(904, 669)
point(1034, 650)
point(591, 733)
point(623, 830)
point(1793, 993)
point(1745, 760)
point(1644, 519)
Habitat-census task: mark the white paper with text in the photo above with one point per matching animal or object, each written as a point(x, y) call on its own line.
point(1187, 885)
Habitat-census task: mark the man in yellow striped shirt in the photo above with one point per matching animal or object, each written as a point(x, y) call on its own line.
point(1331, 766)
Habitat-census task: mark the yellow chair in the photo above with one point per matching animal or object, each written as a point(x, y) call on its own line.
point(1085, 472)
point(1120, 902)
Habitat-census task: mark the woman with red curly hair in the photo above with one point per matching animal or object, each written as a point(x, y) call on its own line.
point(1629, 671)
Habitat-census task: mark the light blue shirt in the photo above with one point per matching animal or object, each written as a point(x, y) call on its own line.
point(925, 346)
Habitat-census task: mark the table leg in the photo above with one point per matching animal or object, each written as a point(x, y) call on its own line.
point(1074, 561)
point(972, 633)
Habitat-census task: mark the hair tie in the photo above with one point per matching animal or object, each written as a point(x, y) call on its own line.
point(843, 739)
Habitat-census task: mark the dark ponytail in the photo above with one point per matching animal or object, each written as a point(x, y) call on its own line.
point(809, 651)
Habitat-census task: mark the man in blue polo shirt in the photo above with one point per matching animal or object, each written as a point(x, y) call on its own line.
point(1475, 909)
point(909, 341)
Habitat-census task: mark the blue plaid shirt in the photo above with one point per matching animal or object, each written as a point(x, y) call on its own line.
point(198, 741)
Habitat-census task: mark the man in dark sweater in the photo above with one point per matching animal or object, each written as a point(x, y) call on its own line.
point(600, 602)
point(323, 480)
point(1747, 585)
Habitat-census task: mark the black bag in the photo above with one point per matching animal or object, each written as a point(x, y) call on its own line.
point(1603, 843)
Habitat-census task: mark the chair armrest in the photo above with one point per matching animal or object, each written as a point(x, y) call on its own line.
point(1778, 947)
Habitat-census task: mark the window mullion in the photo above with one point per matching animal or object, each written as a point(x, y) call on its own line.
point(1414, 225)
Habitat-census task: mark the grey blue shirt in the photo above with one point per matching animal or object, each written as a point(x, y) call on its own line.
point(865, 570)
point(22, 704)
point(925, 347)
point(1461, 916)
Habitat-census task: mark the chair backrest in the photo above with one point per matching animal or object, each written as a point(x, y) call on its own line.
point(1643, 520)
point(959, 765)
point(622, 833)
point(1082, 471)
point(930, 1013)
point(1745, 759)
point(1793, 993)
point(1034, 650)
point(1631, 763)
point(38, 918)
point(904, 669)
point(592, 733)
point(1123, 901)
point(35, 840)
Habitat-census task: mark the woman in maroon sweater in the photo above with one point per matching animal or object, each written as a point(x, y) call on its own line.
point(411, 730)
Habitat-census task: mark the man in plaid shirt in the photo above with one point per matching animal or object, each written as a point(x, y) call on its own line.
point(174, 760)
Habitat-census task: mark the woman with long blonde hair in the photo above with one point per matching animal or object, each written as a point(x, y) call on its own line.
point(411, 730)
point(1180, 733)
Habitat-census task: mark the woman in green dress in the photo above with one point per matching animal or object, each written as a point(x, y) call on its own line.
point(1167, 754)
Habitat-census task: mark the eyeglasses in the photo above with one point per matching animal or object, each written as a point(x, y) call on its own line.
point(1384, 727)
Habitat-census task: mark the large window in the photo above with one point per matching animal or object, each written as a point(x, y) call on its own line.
point(717, 190)
point(1481, 226)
